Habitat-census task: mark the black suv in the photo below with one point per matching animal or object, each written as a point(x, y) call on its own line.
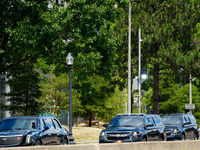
point(32, 131)
point(133, 127)
point(180, 126)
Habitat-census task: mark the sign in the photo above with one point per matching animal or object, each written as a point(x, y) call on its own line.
point(189, 106)
point(135, 84)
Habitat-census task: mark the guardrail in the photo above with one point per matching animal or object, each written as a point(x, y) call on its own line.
point(175, 145)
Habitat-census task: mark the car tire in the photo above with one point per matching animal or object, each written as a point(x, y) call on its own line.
point(195, 137)
point(161, 138)
point(64, 142)
point(183, 137)
point(38, 143)
point(144, 139)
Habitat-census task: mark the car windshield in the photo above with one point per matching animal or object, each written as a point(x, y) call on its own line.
point(19, 124)
point(168, 120)
point(126, 122)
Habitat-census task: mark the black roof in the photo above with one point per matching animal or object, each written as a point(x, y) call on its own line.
point(137, 114)
point(26, 117)
point(175, 114)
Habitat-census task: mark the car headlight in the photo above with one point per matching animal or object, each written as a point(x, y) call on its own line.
point(136, 134)
point(28, 138)
point(102, 135)
point(176, 131)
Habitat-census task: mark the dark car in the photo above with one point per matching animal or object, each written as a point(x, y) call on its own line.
point(133, 127)
point(180, 126)
point(42, 130)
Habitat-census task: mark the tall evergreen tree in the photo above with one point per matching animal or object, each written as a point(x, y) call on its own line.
point(24, 90)
point(168, 27)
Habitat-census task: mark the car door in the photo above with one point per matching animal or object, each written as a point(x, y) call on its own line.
point(194, 125)
point(188, 128)
point(155, 131)
point(58, 131)
point(160, 128)
point(51, 131)
point(148, 130)
point(45, 133)
point(151, 130)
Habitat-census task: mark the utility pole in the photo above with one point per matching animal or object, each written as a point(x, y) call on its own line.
point(139, 69)
point(129, 59)
point(190, 90)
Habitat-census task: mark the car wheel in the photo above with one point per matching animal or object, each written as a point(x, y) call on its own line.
point(64, 142)
point(144, 139)
point(38, 143)
point(183, 137)
point(161, 138)
point(195, 137)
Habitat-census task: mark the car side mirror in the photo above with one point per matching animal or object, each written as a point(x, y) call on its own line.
point(105, 125)
point(150, 124)
point(45, 128)
point(33, 125)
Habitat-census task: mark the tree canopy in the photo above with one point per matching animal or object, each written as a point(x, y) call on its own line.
point(169, 28)
point(95, 33)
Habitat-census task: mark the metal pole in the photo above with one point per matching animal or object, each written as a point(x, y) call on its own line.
point(71, 139)
point(129, 60)
point(190, 90)
point(181, 81)
point(56, 2)
point(7, 90)
point(139, 69)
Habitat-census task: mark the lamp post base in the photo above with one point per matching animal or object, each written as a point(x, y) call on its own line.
point(71, 140)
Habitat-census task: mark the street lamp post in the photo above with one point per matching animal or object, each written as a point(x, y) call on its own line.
point(69, 61)
point(190, 90)
point(129, 59)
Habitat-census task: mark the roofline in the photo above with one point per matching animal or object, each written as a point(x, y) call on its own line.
point(29, 117)
point(131, 114)
point(174, 114)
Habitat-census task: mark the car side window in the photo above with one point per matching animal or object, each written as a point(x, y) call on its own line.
point(146, 121)
point(158, 120)
point(57, 125)
point(186, 118)
point(189, 119)
point(193, 120)
point(150, 119)
point(49, 123)
point(42, 123)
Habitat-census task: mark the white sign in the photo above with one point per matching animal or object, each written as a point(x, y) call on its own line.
point(189, 106)
point(135, 84)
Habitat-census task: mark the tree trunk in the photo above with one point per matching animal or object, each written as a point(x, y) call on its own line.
point(77, 122)
point(26, 108)
point(90, 120)
point(156, 89)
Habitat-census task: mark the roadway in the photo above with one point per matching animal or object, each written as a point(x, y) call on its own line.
point(165, 145)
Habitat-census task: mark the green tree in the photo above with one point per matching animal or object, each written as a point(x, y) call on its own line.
point(93, 48)
point(24, 90)
point(54, 94)
point(172, 97)
point(116, 104)
point(26, 32)
point(101, 99)
point(169, 27)
point(31, 29)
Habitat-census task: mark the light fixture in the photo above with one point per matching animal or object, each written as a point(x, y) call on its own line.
point(69, 59)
